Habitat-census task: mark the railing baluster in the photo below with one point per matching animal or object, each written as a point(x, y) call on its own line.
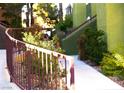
point(34, 66)
point(22, 66)
point(17, 67)
point(65, 71)
point(56, 71)
point(43, 70)
point(39, 68)
point(51, 72)
point(28, 71)
point(25, 78)
point(26, 68)
point(46, 71)
point(46, 64)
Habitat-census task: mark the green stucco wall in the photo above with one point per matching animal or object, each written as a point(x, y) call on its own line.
point(93, 9)
point(110, 19)
point(115, 27)
point(79, 13)
point(101, 16)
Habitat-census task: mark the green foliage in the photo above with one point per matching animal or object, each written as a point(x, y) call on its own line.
point(30, 38)
point(12, 13)
point(47, 10)
point(94, 44)
point(37, 38)
point(81, 47)
point(16, 22)
point(69, 21)
point(113, 65)
point(38, 65)
point(70, 43)
point(61, 26)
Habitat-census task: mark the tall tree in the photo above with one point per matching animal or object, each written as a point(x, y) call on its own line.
point(47, 10)
point(60, 12)
point(32, 19)
point(12, 13)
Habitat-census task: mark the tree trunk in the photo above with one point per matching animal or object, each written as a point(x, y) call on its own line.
point(60, 12)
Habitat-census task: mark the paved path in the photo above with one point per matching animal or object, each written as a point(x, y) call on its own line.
point(87, 79)
point(91, 81)
point(4, 75)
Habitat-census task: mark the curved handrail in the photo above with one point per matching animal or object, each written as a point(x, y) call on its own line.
point(80, 26)
point(13, 50)
point(3, 24)
point(31, 45)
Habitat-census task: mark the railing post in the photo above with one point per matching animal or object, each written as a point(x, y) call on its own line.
point(29, 59)
point(70, 73)
point(72, 83)
point(9, 52)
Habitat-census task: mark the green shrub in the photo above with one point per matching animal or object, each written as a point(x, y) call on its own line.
point(37, 38)
point(61, 26)
point(81, 47)
point(94, 44)
point(113, 65)
point(68, 21)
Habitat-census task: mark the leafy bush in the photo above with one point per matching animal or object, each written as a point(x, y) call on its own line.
point(93, 44)
point(32, 38)
point(63, 25)
point(81, 47)
point(37, 38)
point(68, 21)
point(113, 65)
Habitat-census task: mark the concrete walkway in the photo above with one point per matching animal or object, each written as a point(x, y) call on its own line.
point(87, 79)
point(91, 81)
point(4, 75)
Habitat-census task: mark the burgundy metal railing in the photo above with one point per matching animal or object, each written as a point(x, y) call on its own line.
point(32, 67)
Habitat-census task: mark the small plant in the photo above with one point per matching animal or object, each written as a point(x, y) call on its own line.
point(81, 47)
point(92, 44)
point(64, 25)
point(37, 37)
point(68, 21)
point(61, 26)
point(113, 65)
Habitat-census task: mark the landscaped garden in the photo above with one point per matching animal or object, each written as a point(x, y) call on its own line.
point(89, 43)
point(93, 51)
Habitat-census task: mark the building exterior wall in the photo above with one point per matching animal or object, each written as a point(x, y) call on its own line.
point(93, 9)
point(110, 19)
point(79, 13)
point(101, 16)
point(115, 27)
